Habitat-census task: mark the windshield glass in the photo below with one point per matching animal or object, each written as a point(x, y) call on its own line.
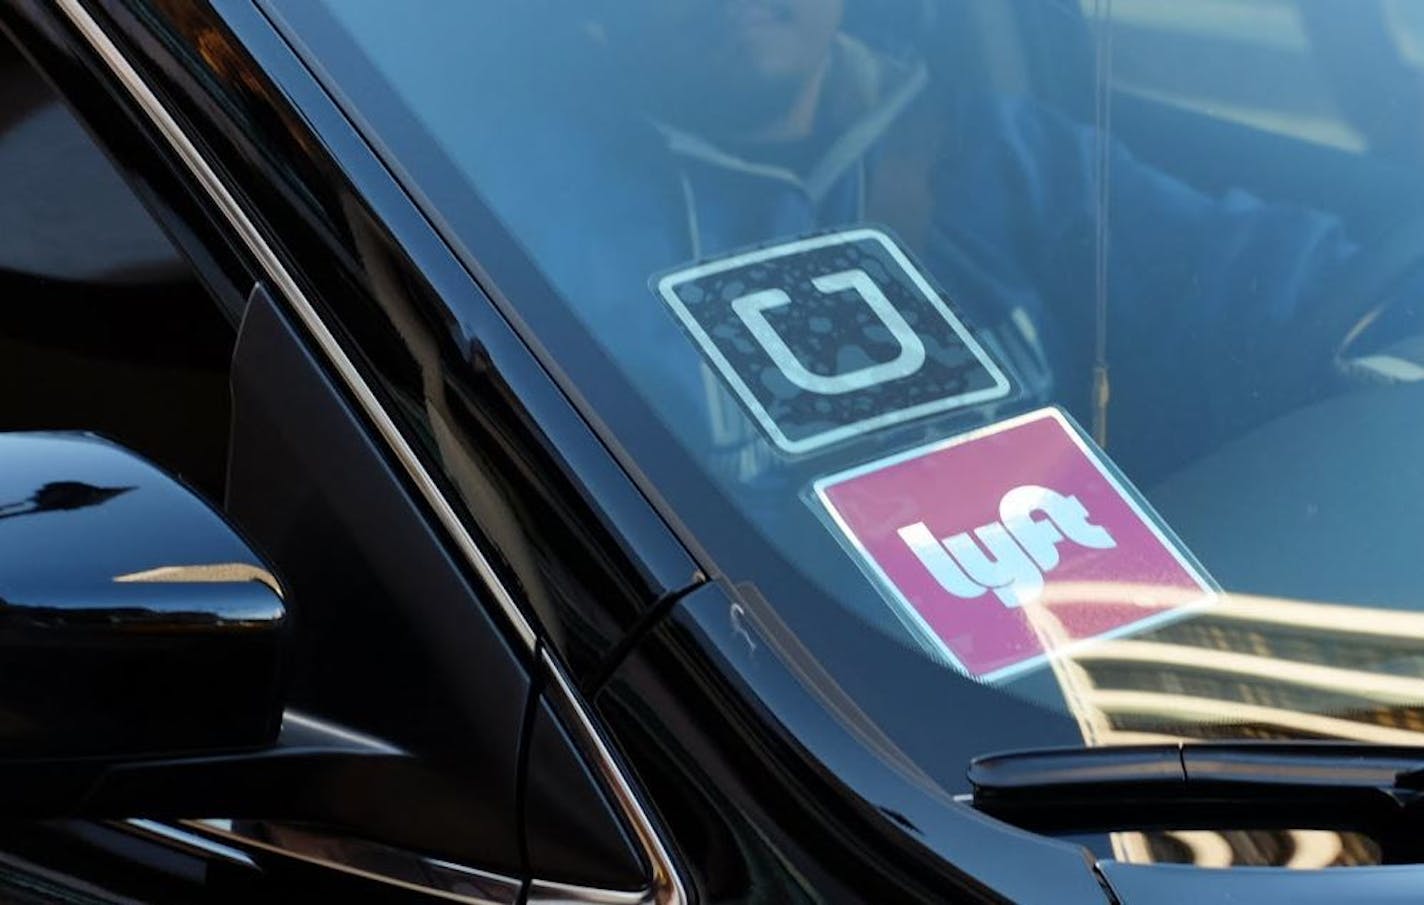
point(1046, 372)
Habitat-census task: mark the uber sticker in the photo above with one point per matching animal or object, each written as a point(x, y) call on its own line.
point(1011, 544)
point(827, 338)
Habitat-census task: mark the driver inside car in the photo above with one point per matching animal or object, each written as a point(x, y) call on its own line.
point(763, 121)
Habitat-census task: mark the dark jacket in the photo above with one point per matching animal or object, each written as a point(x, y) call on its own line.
point(1214, 308)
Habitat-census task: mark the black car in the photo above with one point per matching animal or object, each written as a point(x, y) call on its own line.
point(711, 450)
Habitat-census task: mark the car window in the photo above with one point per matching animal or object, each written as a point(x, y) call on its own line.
point(1061, 358)
point(105, 327)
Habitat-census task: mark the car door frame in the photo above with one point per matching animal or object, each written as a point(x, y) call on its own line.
point(215, 228)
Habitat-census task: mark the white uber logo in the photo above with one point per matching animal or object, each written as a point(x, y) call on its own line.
point(1010, 556)
point(827, 338)
point(751, 309)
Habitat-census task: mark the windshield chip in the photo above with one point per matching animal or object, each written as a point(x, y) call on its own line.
point(1011, 544)
point(827, 338)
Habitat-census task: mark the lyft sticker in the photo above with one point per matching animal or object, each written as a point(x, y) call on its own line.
point(827, 338)
point(1012, 544)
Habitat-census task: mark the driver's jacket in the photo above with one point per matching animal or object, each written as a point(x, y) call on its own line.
point(1216, 310)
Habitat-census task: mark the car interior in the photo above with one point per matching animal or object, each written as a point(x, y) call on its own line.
point(1264, 517)
point(1050, 50)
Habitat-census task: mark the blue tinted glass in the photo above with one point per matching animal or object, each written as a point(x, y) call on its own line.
point(817, 263)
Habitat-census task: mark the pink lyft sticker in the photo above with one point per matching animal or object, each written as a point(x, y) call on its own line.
point(1011, 544)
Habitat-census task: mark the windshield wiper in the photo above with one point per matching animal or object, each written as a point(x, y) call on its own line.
point(1376, 790)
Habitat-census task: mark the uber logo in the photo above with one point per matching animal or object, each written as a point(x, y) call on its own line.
point(827, 338)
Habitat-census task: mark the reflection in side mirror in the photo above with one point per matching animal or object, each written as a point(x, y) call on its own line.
point(133, 619)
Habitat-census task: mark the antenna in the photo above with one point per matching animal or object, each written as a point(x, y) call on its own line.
point(1102, 120)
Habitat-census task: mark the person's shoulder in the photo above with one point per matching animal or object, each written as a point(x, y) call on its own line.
point(864, 78)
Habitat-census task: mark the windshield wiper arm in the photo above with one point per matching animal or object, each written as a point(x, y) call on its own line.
point(1373, 789)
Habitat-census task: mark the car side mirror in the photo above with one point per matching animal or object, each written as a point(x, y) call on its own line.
point(133, 620)
point(141, 647)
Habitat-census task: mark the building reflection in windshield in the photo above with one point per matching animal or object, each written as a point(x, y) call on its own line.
point(1247, 667)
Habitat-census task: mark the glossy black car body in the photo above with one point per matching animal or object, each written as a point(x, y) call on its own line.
point(474, 576)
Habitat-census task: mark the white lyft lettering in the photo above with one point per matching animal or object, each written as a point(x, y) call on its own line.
point(1010, 556)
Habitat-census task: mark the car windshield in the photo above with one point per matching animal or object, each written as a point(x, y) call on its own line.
point(1037, 372)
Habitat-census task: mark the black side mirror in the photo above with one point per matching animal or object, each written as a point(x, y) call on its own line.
point(141, 643)
point(133, 620)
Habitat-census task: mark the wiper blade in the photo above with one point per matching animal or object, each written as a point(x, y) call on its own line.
point(1373, 789)
point(1188, 764)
